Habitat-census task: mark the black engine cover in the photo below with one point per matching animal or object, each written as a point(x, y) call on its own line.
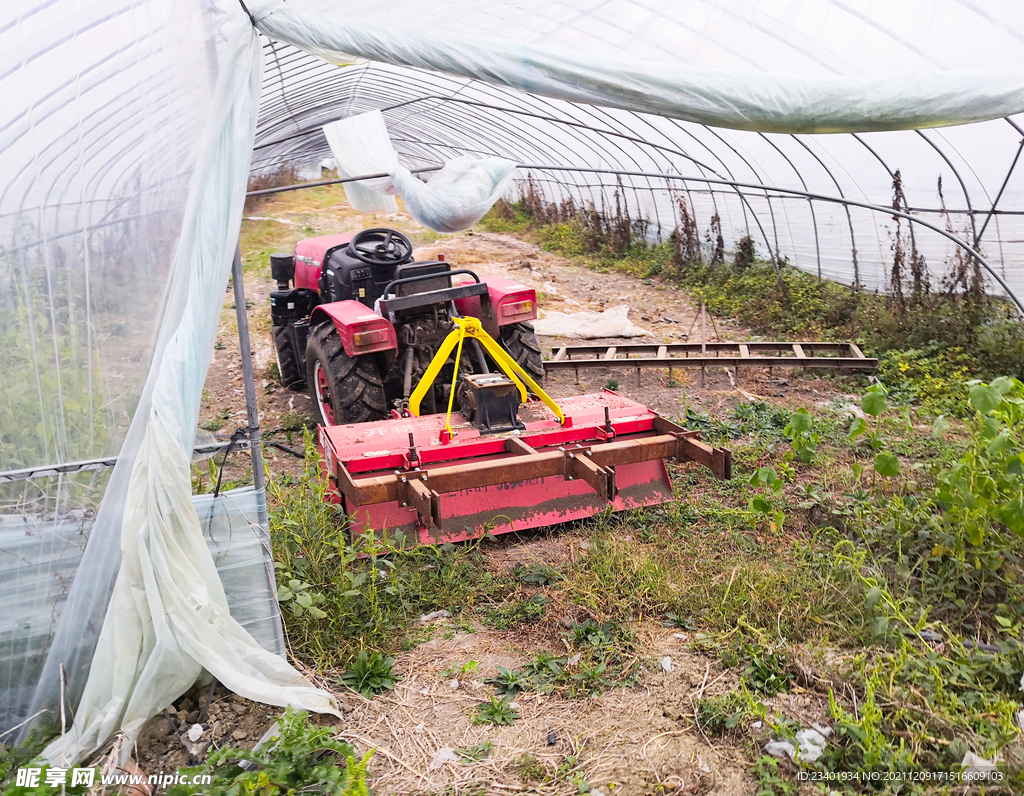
point(345, 278)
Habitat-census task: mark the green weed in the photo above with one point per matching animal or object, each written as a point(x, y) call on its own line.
point(305, 757)
point(716, 715)
point(370, 674)
point(515, 613)
point(475, 753)
point(495, 711)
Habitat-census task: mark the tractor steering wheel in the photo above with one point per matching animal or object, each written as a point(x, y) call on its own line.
point(380, 247)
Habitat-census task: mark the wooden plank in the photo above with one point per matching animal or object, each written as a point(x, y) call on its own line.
point(798, 351)
point(855, 350)
point(744, 351)
point(610, 353)
point(662, 352)
point(560, 354)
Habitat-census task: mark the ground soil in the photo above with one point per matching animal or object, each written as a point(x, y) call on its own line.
point(642, 739)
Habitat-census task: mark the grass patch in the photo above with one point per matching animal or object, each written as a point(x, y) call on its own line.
point(886, 551)
point(930, 336)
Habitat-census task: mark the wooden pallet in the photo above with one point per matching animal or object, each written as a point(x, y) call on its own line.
point(842, 357)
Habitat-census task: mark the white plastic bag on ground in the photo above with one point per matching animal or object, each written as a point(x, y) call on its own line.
point(589, 325)
point(443, 755)
point(810, 745)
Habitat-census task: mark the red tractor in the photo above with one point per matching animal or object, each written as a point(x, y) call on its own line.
point(427, 387)
point(365, 319)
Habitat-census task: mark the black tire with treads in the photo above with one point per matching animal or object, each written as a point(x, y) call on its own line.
point(520, 341)
point(287, 360)
point(355, 392)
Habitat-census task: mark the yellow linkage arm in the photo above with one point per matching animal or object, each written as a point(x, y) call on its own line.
point(470, 327)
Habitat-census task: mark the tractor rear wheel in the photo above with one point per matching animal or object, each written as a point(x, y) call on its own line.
point(344, 389)
point(520, 341)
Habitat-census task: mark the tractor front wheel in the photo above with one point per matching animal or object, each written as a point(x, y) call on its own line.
point(520, 341)
point(344, 389)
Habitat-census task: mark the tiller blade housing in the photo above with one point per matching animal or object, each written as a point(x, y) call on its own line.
point(399, 475)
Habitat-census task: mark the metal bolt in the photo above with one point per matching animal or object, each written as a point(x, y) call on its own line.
point(423, 477)
point(405, 505)
point(572, 455)
point(589, 453)
point(405, 480)
point(568, 478)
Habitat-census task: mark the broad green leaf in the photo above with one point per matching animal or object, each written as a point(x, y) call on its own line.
point(984, 398)
point(1003, 384)
point(873, 403)
point(1001, 443)
point(940, 426)
point(872, 597)
point(801, 420)
point(886, 464)
point(879, 626)
point(1012, 515)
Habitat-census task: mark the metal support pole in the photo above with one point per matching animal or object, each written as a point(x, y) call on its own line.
point(703, 340)
point(252, 415)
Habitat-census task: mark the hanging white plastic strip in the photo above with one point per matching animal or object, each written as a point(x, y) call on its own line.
point(452, 200)
point(168, 618)
point(360, 145)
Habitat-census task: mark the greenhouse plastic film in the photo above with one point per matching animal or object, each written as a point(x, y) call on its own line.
point(168, 617)
point(741, 100)
point(40, 558)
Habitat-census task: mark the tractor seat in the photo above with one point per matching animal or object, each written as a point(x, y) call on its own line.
point(422, 269)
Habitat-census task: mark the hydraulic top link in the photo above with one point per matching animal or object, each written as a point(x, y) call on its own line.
point(471, 327)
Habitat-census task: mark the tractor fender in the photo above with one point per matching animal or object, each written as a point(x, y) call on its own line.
point(508, 302)
point(362, 331)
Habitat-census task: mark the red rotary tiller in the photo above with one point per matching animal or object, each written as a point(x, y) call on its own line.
point(427, 386)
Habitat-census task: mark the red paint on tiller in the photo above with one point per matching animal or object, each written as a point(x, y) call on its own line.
point(373, 452)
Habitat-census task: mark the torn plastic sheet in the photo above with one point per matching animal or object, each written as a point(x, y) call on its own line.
point(41, 555)
point(453, 199)
point(758, 101)
point(589, 325)
point(360, 145)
